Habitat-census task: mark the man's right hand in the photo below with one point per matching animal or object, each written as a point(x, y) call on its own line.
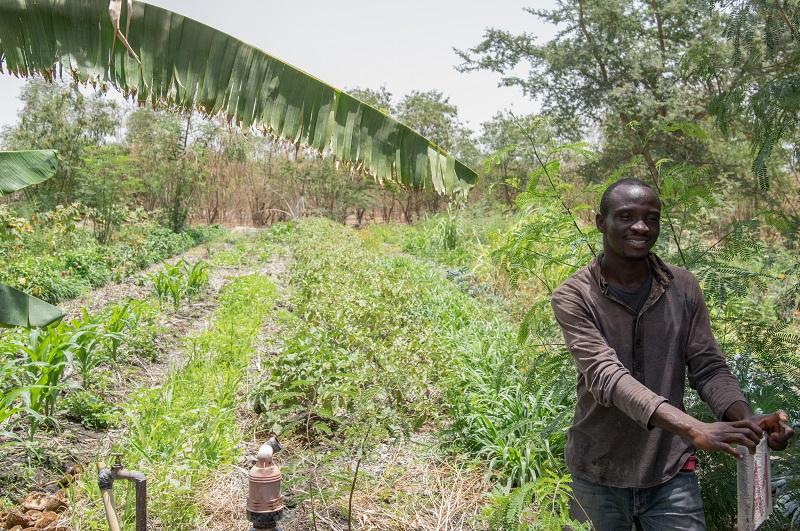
point(721, 436)
point(710, 436)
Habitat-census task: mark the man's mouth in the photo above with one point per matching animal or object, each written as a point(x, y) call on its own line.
point(638, 242)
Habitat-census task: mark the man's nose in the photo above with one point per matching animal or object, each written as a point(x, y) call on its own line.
point(640, 226)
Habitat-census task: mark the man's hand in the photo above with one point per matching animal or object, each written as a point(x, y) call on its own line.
point(776, 426)
point(721, 436)
point(711, 436)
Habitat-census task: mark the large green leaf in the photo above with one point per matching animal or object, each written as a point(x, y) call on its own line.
point(19, 169)
point(20, 309)
point(189, 65)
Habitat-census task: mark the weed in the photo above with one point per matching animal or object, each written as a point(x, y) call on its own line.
point(143, 330)
point(90, 410)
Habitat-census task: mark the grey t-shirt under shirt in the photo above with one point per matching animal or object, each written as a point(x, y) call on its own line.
point(634, 299)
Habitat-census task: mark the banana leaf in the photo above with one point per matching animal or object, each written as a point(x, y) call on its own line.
point(19, 169)
point(159, 57)
point(20, 309)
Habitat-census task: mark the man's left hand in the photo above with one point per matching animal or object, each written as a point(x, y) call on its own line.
point(776, 428)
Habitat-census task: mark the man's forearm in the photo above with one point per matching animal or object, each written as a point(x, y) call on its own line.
point(669, 418)
point(714, 436)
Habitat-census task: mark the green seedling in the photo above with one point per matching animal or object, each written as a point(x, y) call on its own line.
point(116, 320)
point(86, 344)
point(196, 277)
point(170, 284)
point(45, 355)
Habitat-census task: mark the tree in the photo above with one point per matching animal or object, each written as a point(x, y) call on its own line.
point(61, 117)
point(107, 186)
point(190, 66)
point(503, 137)
point(765, 40)
point(614, 65)
point(381, 98)
point(160, 148)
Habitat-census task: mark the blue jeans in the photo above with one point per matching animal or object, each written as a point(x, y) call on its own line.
point(674, 505)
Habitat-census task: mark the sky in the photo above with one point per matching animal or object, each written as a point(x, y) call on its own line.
point(403, 46)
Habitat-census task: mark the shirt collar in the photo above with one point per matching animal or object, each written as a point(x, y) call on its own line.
point(658, 268)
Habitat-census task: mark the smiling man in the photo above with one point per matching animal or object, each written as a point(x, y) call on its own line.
point(635, 327)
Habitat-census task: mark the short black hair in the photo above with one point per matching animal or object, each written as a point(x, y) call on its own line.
point(605, 200)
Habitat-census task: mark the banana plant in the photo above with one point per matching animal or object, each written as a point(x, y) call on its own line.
point(19, 169)
point(166, 58)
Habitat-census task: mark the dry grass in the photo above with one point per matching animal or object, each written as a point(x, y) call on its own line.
point(401, 486)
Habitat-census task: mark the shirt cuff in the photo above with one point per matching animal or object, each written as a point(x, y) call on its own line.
point(720, 393)
point(635, 400)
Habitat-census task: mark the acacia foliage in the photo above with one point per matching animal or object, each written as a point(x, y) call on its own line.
point(764, 93)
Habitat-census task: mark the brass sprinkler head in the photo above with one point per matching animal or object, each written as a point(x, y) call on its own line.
point(264, 500)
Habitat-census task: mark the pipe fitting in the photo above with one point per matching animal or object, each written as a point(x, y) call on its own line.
point(105, 480)
point(264, 500)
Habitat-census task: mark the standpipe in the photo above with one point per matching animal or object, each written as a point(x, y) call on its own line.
point(105, 480)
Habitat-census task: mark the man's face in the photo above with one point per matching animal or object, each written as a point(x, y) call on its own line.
point(631, 226)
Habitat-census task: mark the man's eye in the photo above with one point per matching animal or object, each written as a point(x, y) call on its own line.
point(653, 219)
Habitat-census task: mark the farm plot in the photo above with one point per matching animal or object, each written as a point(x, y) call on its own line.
point(402, 401)
point(66, 388)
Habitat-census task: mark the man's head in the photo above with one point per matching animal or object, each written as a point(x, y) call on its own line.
point(629, 219)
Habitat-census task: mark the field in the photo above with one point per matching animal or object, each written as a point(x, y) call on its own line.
point(241, 250)
point(388, 360)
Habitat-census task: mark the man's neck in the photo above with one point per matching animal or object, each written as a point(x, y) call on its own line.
point(626, 273)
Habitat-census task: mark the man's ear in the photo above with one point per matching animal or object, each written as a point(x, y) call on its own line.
point(600, 221)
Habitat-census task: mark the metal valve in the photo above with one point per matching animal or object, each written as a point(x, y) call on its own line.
point(264, 500)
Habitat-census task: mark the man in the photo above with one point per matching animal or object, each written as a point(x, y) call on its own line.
point(635, 326)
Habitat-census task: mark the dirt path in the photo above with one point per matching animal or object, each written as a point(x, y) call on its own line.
point(223, 497)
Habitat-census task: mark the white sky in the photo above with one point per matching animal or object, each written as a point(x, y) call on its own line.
point(367, 43)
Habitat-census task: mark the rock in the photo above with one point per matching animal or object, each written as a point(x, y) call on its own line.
point(34, 501)
point(17, 518)
point(46, 519)
point(16, 528)
point(56, 503)
point(33, 516)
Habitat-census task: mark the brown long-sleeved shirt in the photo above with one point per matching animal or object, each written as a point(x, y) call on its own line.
point(629, 364)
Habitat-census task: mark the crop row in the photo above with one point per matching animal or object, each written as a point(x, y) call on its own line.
point(185, 427)
point(56, 258)
point(384, 344)
point(59, 369)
